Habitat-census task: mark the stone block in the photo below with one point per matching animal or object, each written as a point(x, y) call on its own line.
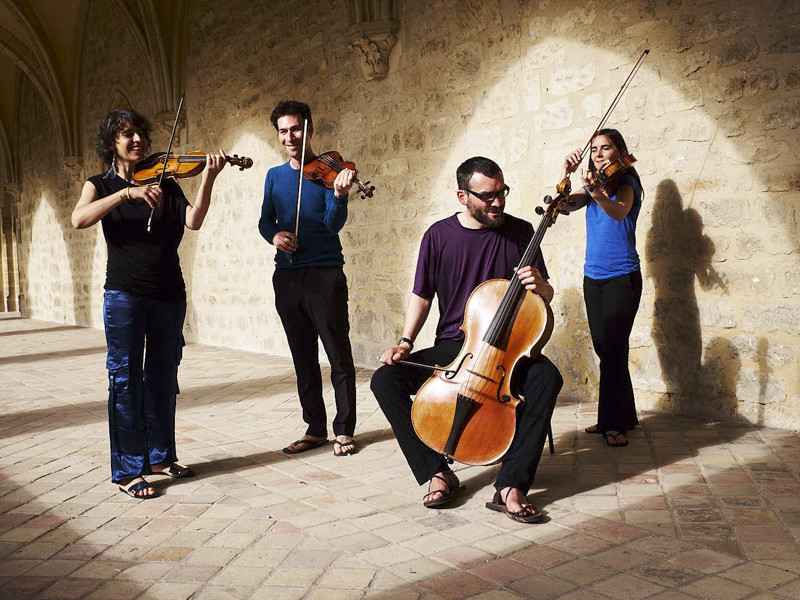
point(740, 49)
point(780, 114)
point(555, 115)
point(789, 41)
point(759, 387)
point(717, 313)
point(570, 80)
point(773, 316)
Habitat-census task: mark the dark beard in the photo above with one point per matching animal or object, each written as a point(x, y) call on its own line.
point(483, 218)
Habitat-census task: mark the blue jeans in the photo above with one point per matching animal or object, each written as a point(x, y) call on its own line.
point(142, 386)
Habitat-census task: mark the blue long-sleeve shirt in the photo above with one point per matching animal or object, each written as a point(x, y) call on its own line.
point(322, 216)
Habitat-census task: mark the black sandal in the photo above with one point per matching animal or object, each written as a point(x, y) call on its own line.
point(527, 514)
point(175, 471)
point(133, 490)
point(306, 445)
point(343, 445)
point(611, 439)
point(445, 495)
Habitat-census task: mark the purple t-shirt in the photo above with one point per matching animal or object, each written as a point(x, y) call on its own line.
point(454, 260)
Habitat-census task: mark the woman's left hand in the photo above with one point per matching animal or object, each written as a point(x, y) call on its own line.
point(587, 180)
point(214, 164)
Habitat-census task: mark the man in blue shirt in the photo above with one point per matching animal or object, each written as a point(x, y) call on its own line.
point(310, 285)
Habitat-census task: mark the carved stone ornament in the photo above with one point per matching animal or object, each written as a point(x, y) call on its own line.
point(373, 41)
point(162, 126)
point(73, 165)
point(14, 190)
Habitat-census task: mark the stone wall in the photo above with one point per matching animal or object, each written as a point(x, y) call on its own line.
point(712, 117)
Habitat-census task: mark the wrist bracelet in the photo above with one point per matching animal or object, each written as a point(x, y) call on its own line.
point(407, 341)
point(128, 193)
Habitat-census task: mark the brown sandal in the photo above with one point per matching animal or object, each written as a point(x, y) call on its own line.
point(447, 495)
point(527, 514)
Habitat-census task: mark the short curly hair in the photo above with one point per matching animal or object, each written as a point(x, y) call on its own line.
point(112, 125)
point(290, 107)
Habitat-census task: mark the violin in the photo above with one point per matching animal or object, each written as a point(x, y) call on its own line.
point(156, 166)
point(326, 166)
point(611, 170)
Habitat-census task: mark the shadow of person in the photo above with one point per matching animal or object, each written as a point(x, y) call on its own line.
point(677, 254)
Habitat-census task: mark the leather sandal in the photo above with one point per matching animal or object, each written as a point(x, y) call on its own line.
point(447, 495)
point(527, 514)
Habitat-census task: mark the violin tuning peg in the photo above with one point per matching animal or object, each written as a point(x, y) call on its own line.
point(547, 199)
point(561, 211)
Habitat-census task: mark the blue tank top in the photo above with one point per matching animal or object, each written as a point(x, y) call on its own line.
point(611, 244)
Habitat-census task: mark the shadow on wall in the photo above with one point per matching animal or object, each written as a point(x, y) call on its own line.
point(677, 252)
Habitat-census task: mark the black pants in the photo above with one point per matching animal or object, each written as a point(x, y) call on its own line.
point(538, 381)
point(312, 304)
point(611, 306)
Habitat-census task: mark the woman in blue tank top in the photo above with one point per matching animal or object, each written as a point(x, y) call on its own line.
point(612, 283)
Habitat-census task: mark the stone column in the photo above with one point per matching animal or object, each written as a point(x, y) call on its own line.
point(10, 257)
point(373, 34)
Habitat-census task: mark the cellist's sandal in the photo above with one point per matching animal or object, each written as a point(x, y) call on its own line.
point(527, 514)
point(445, 496)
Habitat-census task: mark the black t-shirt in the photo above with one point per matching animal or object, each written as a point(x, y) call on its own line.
point(141, 262)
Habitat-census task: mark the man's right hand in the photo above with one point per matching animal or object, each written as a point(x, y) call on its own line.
point(392, 354)
point(285, 242)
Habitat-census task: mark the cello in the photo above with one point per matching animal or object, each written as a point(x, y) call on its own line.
point(467, 410)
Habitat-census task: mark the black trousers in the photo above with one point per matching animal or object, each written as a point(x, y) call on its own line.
point(312, 304)
point(611, 306)
point(538, 380)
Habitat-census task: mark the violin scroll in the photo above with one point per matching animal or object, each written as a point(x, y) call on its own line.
point(244, 162)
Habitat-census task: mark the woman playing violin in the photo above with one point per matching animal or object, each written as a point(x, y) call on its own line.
point(612, 283)
point(145, 298)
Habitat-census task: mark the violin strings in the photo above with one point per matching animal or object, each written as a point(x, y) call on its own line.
point(330, 162)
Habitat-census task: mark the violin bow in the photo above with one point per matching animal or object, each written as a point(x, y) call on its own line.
point(166, 156)
point(613, 104)
point(300, 185)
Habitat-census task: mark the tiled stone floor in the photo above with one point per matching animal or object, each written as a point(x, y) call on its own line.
point(691, 509)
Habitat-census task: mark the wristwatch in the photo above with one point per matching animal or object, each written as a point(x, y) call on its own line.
point(407, 341)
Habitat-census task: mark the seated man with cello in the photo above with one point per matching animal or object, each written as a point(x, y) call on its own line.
point(457, 255)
